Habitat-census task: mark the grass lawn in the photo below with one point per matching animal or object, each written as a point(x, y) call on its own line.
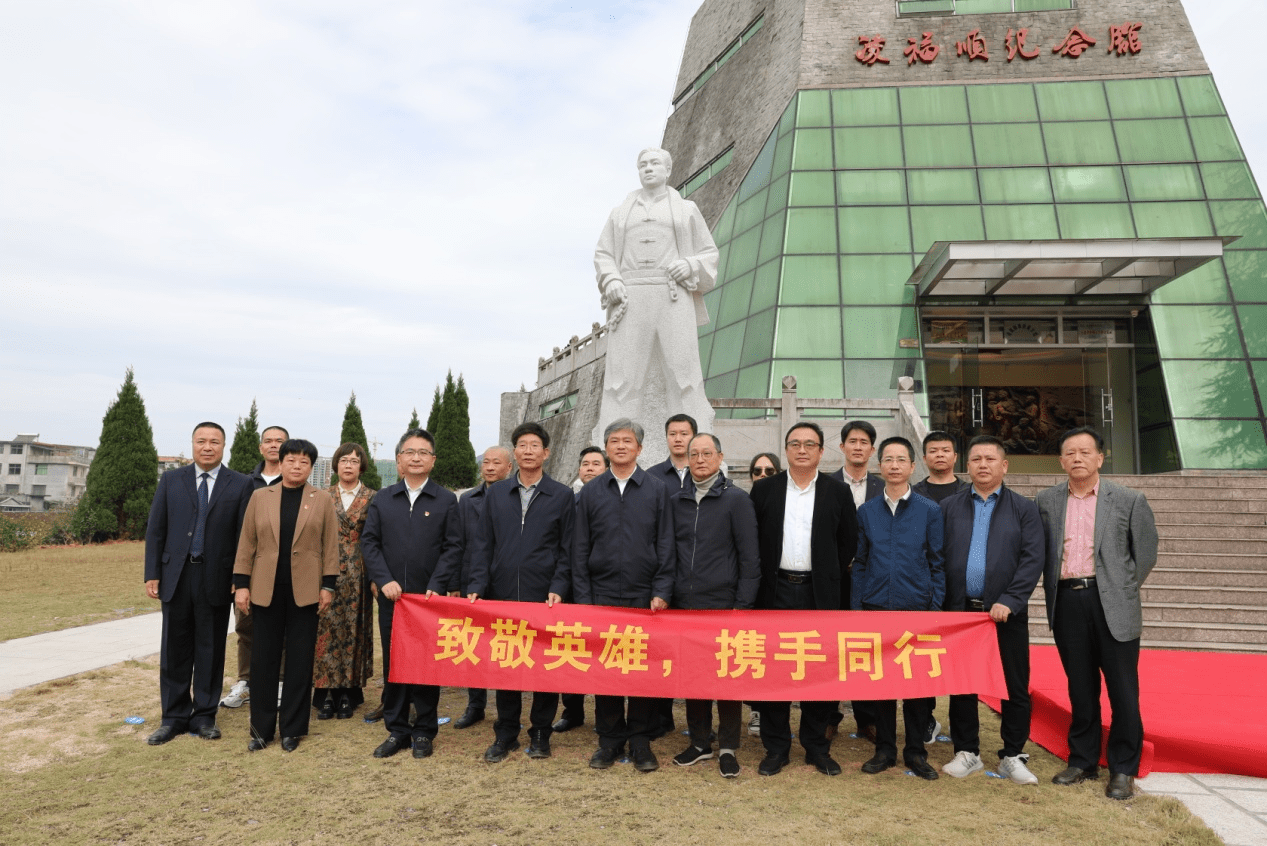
point(75, 772)
point(58, 587)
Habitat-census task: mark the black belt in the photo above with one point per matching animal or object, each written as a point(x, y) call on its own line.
point(1077, 584)
point(796, 577)
point(197, 559)
point(973, 605)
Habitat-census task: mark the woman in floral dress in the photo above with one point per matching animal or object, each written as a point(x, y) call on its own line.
point(345, 643)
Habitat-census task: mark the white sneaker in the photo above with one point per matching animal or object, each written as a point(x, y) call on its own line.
point(1015, 769)
point(239, 694)
point(754, 723)
point(964, 764)
point(933, 731)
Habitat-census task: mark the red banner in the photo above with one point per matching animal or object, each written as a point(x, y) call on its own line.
point(745, 655)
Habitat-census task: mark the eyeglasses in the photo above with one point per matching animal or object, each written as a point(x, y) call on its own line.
point(797, 446)
point(758, 472)
point(420, 453)
point(895, 459)
point(350, 459)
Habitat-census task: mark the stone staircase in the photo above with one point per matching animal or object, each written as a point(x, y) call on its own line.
point(1209, 588)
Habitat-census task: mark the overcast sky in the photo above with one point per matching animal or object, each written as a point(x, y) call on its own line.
point(290, 201)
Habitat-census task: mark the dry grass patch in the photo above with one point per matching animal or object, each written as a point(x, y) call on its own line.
point(55, 588)
point(76, 773)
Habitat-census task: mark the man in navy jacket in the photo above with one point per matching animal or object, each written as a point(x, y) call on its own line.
point(717, 567)
point(899, 568)
point(402, 542)
point(190, 543)
point(994, 558)
point(623, 555)
point(522, 554)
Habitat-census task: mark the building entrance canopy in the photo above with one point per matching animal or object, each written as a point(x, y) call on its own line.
point(1092, 267)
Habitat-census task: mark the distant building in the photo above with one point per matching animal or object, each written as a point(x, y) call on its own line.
point(39, 476)
point(170, 462)
point(322, 470)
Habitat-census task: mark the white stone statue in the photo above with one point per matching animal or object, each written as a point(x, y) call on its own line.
point(655, 260)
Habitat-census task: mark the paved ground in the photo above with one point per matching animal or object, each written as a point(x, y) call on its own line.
point(1234, 806)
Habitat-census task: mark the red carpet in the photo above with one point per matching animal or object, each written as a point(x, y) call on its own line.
point(1203, 711)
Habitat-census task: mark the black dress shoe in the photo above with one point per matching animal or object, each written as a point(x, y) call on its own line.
point(604, 758)
point(645, 760)
point(1075, 775)
point(422, 746)
point(878, 764)
point(211, 732)
point(345, 709)
point(162, 734)
point(771, 764)
point(566, 724)
point(1120, 786)
point(290, 744)
point(824, 764)
point(375, 714)
point(921, 768)
point(326, 711)
point(255, 744)
point(389, 747)
point(538, 743)
point(469, 717)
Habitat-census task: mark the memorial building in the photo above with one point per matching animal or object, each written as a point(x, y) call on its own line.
point(1036, 209)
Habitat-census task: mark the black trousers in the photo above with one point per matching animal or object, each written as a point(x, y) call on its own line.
point(1087, 648)
point(699, 722)
point(574, 707)
point(915, 714)
point(398, 697)
point(510, 705)
point(191, 659)
point(617, 723)
point(477, 698)
point(965, 723)
point(282, 626)
point(776, 729)
point(662, 716)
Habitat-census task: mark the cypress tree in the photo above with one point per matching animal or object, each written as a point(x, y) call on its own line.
point(354, 432)
point(123, 475)
point(463, 418)
point(455, 459)
point(433, 418)
point(245, 452)
point(414, 422)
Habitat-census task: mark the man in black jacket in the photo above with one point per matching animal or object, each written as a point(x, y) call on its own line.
point(623, 555)
point(717, 567)
point(402, 543)
point(807, 532)
point(522, 554)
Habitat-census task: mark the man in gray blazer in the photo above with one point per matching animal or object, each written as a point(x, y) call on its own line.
point(1101, 545)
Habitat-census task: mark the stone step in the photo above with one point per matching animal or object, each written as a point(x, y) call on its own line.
point(1185, 594)
point(1045, 639)
point(1181, 577)
point(1172, 523)
point(1210, 561)
point(1168, 507)
point(1181, 632)
point(1204, 614)
point(1195, 544)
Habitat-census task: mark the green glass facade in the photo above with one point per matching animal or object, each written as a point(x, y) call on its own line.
point(853, 186)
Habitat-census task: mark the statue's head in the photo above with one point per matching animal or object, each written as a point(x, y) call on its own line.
point(654, 167)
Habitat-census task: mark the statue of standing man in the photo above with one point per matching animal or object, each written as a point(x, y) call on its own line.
point(655, 260)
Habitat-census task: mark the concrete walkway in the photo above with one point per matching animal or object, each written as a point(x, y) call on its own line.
point(1235, 807)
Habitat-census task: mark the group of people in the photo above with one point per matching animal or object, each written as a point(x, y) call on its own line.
point(681, 535)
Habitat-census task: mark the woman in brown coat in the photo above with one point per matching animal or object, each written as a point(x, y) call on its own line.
point(345, 636)
point(284, 575)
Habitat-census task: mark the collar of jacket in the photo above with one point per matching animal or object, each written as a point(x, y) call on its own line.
point(638, 475)
point(719, 485)
point(544, 485)
point(401, 488)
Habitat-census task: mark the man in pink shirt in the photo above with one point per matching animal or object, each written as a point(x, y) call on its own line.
point(1101, 543)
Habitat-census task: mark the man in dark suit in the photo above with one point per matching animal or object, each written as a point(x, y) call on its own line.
point(807, 531)
point(857, 442)
point(190, 543)
point(267, 472)
point(402, 542)
point(1101, 546)
point(994, 556)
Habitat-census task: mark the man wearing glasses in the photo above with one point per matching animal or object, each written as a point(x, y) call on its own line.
point(899, 568)
point(402, 542)
point(807, 531)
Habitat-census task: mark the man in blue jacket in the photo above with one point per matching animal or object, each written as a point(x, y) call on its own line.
point(994, 558)
point(623, 555)
point(522, 554)
point(718, 567)
point(899, 568)
point(402, 542)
